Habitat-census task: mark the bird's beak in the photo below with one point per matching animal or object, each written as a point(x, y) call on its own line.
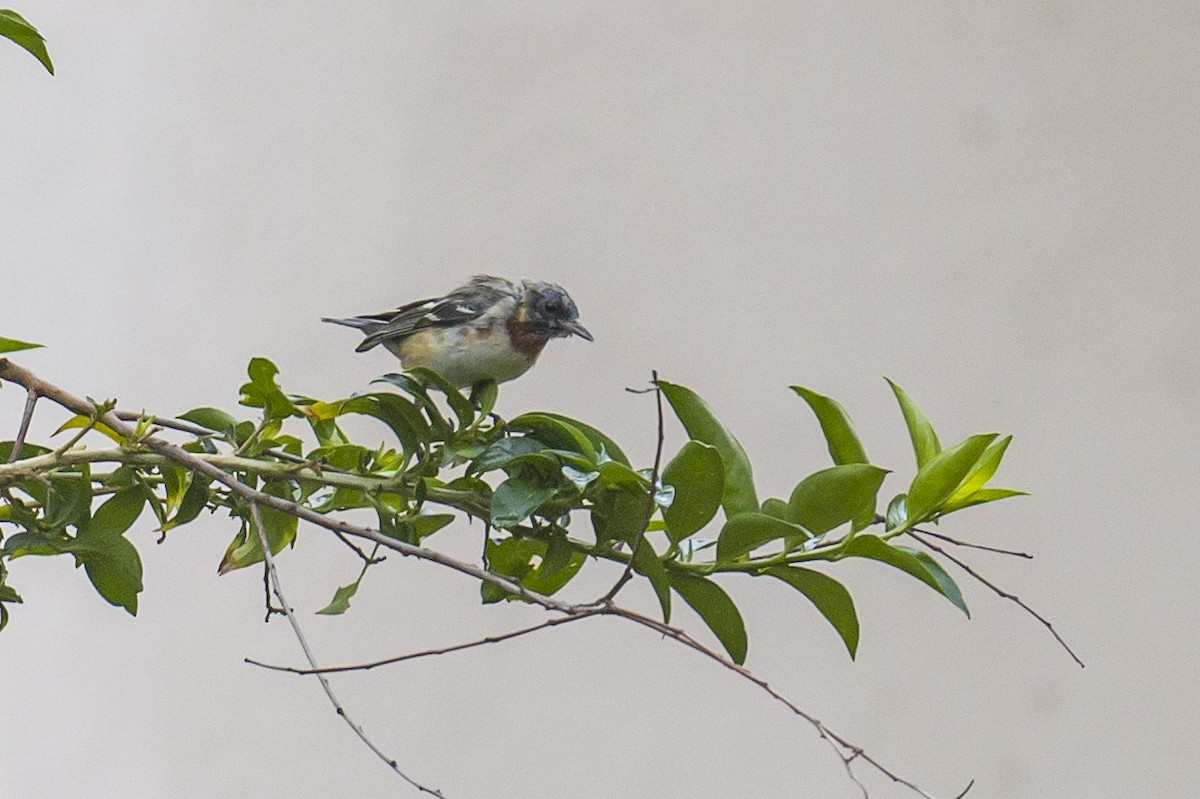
point(578, 330)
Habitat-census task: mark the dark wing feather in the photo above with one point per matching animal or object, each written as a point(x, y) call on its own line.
point(459, 306)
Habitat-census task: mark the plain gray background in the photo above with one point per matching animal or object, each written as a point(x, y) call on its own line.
point(994, 204)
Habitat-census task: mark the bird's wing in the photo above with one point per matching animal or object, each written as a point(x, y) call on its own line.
point(462, 305)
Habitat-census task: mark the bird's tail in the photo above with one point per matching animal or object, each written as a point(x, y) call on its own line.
point(360, 322)
point(363, 323)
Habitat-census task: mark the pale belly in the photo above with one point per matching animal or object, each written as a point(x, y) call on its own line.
point(463, 359)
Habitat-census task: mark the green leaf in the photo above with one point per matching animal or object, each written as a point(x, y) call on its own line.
point(69, 501)
point(411, 529)
point(79, 422)
point(279, 527)
point(115, 570)
point(484, 395)
point(717, 610)
point(514, 558)
point(461, 406)
point(698, 476)
point(614, 474)
point(516, 498)
point(925, 442)
point(21, 544)
point(264, 392)
point(831, 497)
point(211, 419)
point(557, 432)
point(111, 562)
point(745, 532)
point(983, 470)
point(547, 579)
point(946, 584)
point(195, 499)
point(844, 446)
point(15, 28)
point(702, 425)
point(440, 427)
point(341, 599)
point(980, 497)
point(27, 450)
point(558, 553)
point(647, 563)
point(619, 501)
point(503, 452)
point(937, 480)
point(779, 509)
point(7, 595)
point(896, 511)
point(402, 416)
point(115, 516)
point(599, 441)
point(177, 481)
point(905, 559)
point(830, 597)
point(11, 344)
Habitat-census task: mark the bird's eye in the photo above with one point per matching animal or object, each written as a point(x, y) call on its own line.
point(552, 305)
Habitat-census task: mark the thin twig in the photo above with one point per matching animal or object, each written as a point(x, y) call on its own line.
point(491, 639)
point(972, 545)
point(651, 495)
point(31, 398)
point(847, 750)
point(277, 589)
point(271, 609)
point(167, 422)
point(999, 592)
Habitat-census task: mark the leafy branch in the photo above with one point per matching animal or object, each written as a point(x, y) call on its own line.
point(530, 479)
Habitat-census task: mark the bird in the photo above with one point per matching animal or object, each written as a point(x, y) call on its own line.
point(490, 328)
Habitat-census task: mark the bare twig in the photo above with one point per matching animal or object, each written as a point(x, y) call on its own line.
point(491, 639)
point(651, 495)
point(846, 749)
point(31, 398)
point(918, 535)
point(277, 589)
point(972, 545)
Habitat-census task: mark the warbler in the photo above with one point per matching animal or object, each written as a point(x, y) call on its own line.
point(488, 329)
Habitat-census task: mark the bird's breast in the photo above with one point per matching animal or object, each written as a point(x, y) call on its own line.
point(467, 355)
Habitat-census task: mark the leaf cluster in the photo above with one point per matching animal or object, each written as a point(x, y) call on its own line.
point(554, 494)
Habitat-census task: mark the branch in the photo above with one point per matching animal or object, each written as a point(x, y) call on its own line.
point(286, 609)
point(971, 545)
point(27, 379)
point(846, 749)
point(917, 534)
point(208, 466)
point(167, 422)
point(31, 398)
point(491, 639)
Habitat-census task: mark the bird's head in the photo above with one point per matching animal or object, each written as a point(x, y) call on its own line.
point(550, 309)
